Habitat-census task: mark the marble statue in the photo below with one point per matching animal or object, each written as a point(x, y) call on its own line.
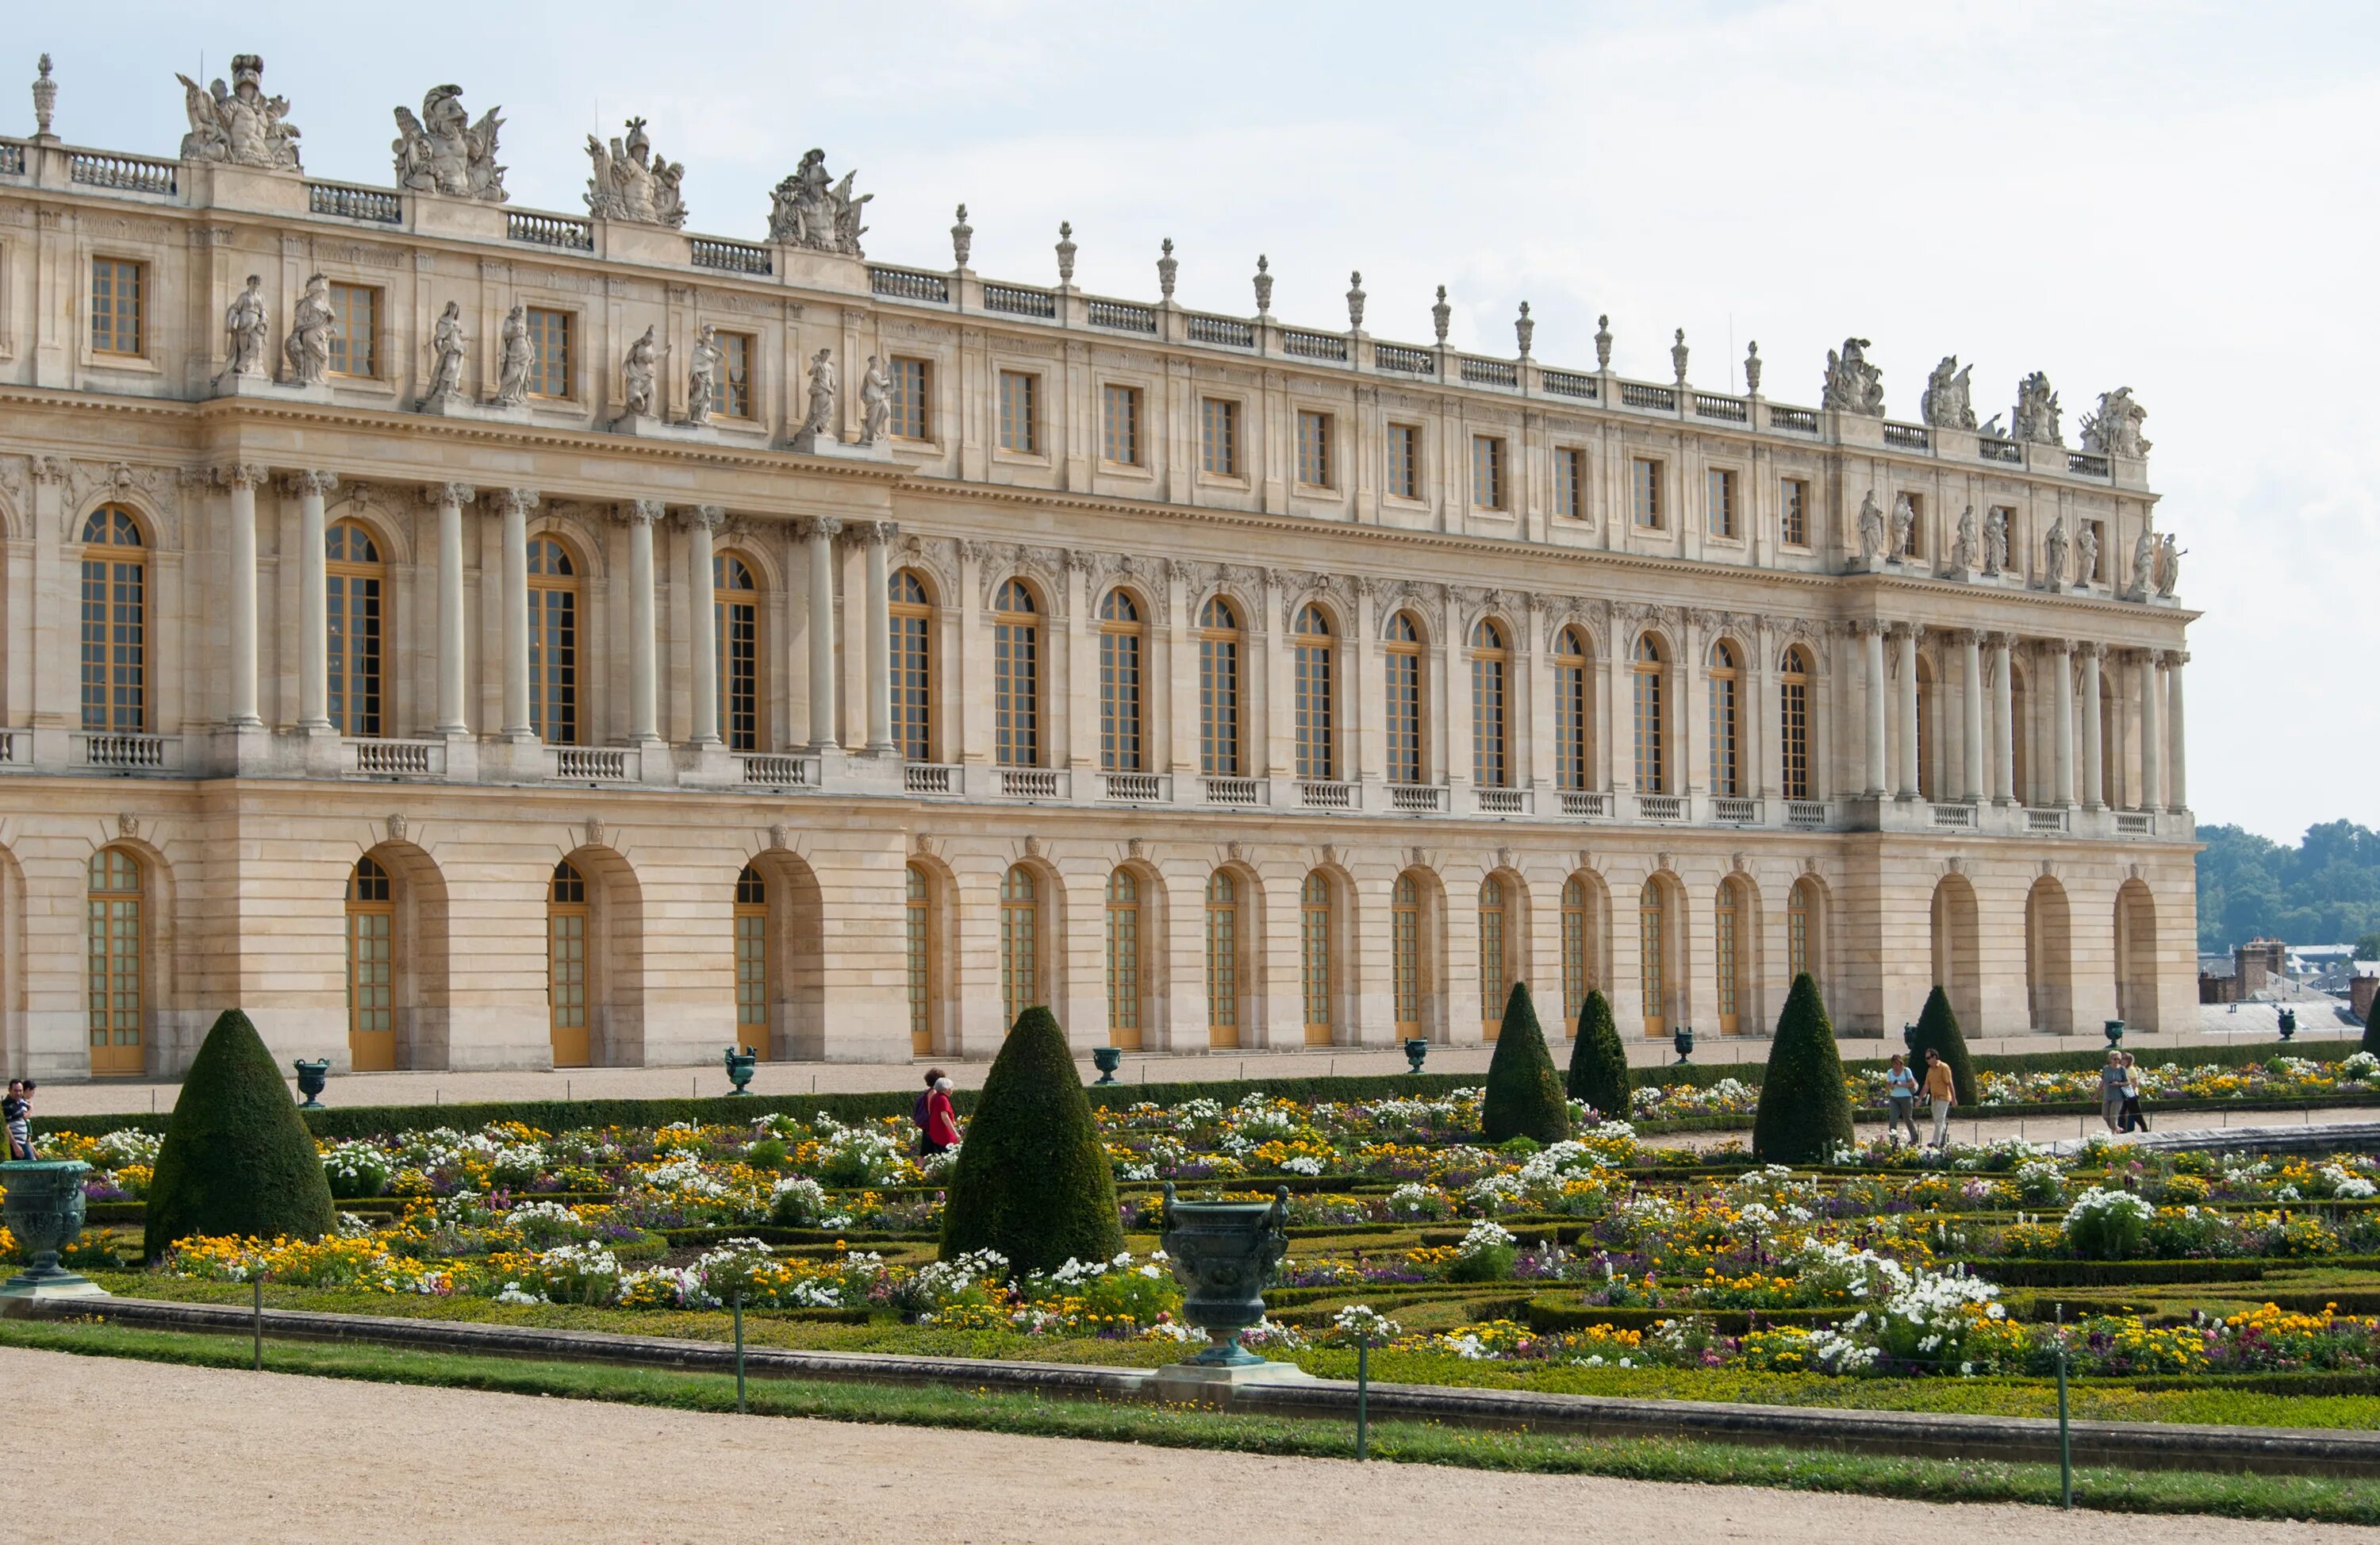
point(629, 182)
point(2169, 569)
point(1995, 540)
point(447, 354)
point(2034, 419)
point(1963, 547)
point(2053, 554)
point(444, 152)
point(636, 376)
point(1853, 384)
point(822, 413)
point(514, 358)
point(246, 323)
point(311, 331)
point(2144, 565)
point(702, 376)
point(2115, 429)
point(875, 402)
point(1946, 403)
point(2086, 555)
point(1871, 529)
point(1904, 522)
point(811, 209)
point(241, 126)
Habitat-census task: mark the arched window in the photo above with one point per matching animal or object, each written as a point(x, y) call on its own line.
point(1405, 955)
point(1122, 640)
point(1020, 942)
point(1222, 960)
point(1317, 756)
point(1314, 957)
point(1803, 919)
point(119, 946)
point(567, 918)
point(1653, 928)
point(1573, 683)
point(1652, 718)
point(552, 643)
point(1493, 971)
point(752, 960)
point(912, 657)
point(1726, 723)
point(1731, 951)
point(1124, 960)
point(1015, 678)
point(1793, 722)
point(917, 940)
point(114, 624)
point(355, 579)
point(1490, 766)
point(735, 624)
point(1219, 689)
point(1577, 967)
point(1401, 668)
point(371, 964)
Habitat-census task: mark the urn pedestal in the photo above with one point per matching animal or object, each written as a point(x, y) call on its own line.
point(44, 1211)
point(1223, 1254)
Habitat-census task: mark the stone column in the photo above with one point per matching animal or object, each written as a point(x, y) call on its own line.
point(880, 635)
point(454, 716)
point(817, 535)
point(2062, 791)
point(2152, 732)
point(2177, 795)
point(513, 505)
point(1872, 653)
point(2004, 724)
point(2093, 789)
point(1971, 643)
point(701, 523)
point(313, 600)
point(643, 676)
point(1904, 636)
point(240, 483)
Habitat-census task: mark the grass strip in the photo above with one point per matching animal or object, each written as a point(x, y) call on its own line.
point(2107, 1489)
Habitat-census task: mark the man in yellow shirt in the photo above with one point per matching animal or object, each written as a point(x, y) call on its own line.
point(1943, 1091)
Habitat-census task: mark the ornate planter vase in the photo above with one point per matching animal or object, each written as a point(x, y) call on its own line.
point(1223, 1254)
point(1416, 1051)
point(740, 1062)
point(1107, 1059)
point(44, 1211)
point(2115, 1030)
point(312, 1078)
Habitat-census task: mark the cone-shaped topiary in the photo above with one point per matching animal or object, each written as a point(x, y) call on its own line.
point(1525, 1093)
point(1032, 1179)
point(1804, 1111)
point(1939, 1028)
point(1598, 1064)
point(237, 1157)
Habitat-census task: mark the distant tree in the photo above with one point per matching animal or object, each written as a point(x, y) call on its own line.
point(2368, 947)
point(2325, 889)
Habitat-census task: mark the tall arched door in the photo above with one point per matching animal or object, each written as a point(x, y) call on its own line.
point(567, 920)
point(752, 962)
point(118, 945)
point(371, 964)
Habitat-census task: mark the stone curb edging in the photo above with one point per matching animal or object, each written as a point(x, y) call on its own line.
point(2340, 1136)
point(2142, 1445)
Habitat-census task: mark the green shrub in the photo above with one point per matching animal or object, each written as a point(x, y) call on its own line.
point(1805, 1112)
point(236, 1159)
point(1598, 1063)
point(1032, 1179)
point(2108, 1225)
point(1937, 1028)
point(1525, 1093)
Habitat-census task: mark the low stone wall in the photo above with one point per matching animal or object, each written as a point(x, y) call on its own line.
point(2346, 1137)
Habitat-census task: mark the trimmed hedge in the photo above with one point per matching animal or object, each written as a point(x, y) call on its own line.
point(1938, 1030)
point(1805, 1111)
point(1032, 1179)
point(237, 1160)
point(2126, 1273)
point(1525, 1093)
point(1598, 1063)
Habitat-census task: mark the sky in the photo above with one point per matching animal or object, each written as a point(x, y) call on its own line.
point(2178, 197)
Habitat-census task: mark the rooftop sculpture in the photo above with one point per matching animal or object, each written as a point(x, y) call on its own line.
point(630, 183)
point(811, 210)
point(444, 152)
point(240, 126)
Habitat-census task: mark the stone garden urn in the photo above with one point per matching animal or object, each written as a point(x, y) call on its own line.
point(1107, 1059)
point(44, 1211)
point(1416, 1051)
point(741, 1061)
point(1223, 1254)
point(312, 1078)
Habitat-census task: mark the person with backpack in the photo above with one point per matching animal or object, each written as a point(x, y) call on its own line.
point(921, 1112)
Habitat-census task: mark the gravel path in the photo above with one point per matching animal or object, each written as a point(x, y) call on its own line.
point(235, 1457)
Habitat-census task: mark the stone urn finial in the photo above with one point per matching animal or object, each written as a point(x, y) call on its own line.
point(1356, 301)
point(1167, 266)
point(1677, 356)
point(1441, 314)
point(1525, 330)
point(1752, 369)
point(1603, 343)
point(1264, 287)
point(961, 239)
point(45, 101)
point(1065, 251)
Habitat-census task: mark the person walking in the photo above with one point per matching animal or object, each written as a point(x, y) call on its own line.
point(921, 1112)
point(1942, 1090)
point(942, 1119)
point(2111, 1088)
point(1901, 1101)
point(2132, 1118)
point(17, 1112)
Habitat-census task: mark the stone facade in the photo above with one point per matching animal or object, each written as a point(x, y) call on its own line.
point(1257, 685)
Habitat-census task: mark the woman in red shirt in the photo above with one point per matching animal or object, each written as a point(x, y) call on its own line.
point(942, 1119)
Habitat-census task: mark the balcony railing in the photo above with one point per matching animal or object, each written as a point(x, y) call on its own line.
point(1793, 420)
point(772, 770)
point(1122, 316)
point(1498, 801)
point(16, 748)
point(1222, 331)
point(346, 200)
point(1635, 394)
point(2000, 450)
point(1591, 802)
point(1570, 384)
point(1029, 783)
point(1019, 300)
point(1734, 811)
point(565, 231)
point(2085, 464)
point(1314, 346)
point(2041, 821)
point(593, 764)
point(908, 284)
point(1321, 795)
point(1805, 813)
point(1407, 361)
point(12, 159)
point(2135, 823)
point(1908, 437)
point(1416, 798)
point(1136, 788)
point(1954, 818)
point(1478, 371)
point(929, 777)
point(733, 257)
point(1661, 806)
point(397, 759)
point(1234, 791)
point(1733, 411)
point(127, 174)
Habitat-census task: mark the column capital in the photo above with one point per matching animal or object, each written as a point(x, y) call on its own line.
point(870, 534)
point(2175, 659)
point(1911, 631)
point(820, 527)
point(640, 512)
point(2153, 658)
point(708, 517)
point(2091, 648)
point(515, 501)
point(309, 484)
point(449, 493)
point(2062, 647)
point(1869, 628)
point(1974, 638)
point(2004, 641)
point(240, 474)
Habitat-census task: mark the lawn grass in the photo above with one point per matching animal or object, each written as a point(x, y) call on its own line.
point(2240, 1496)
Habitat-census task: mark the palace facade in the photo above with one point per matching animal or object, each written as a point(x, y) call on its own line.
point(506, 639)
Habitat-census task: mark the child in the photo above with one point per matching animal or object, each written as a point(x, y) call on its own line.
point(16, 1110)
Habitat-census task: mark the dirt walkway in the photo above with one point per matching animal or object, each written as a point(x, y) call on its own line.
point(237, 1456)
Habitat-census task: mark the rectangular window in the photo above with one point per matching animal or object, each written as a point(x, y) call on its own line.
point(1570, 483)
point(1794, 512)
point(116, 288)
point(910, 380)
point(1913, 541)
point(1404, 461)
point(731, 389)
point(1487, 472)
point(1020, 417)
point(355, 342)
point(549, 342)
point(1120, 425)
point(1645, 475)
point(1313, 449)
point(1218, 437)
point(1722, 502)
